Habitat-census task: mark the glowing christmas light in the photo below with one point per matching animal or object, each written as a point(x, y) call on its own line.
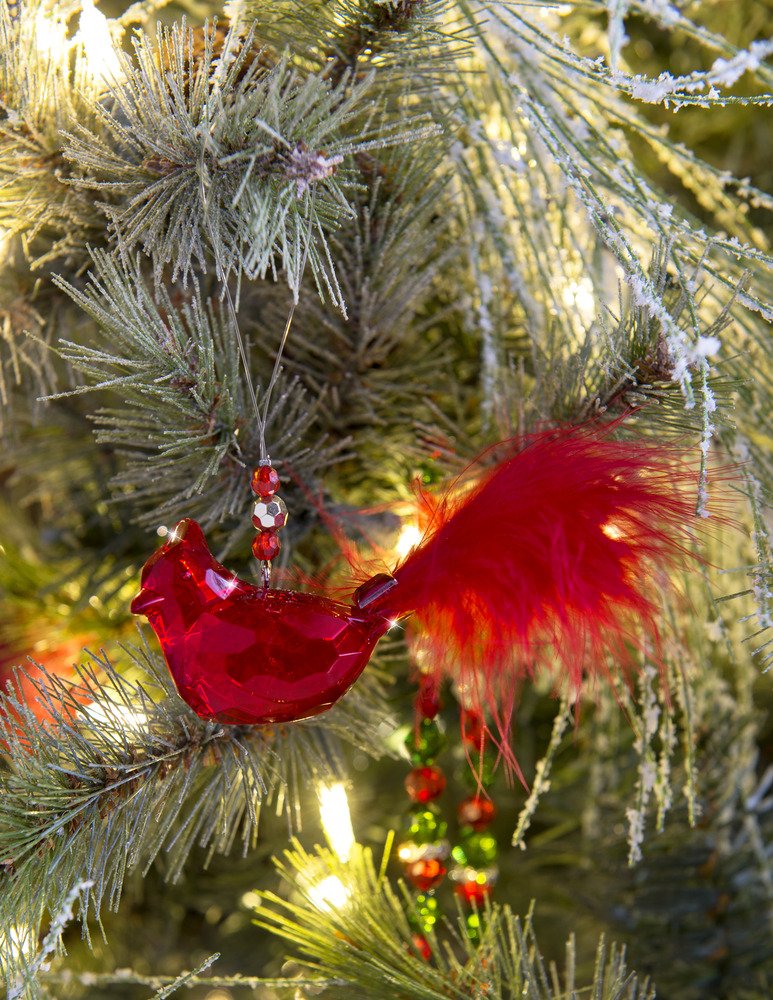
point(97, 41)
point(329, 894)
point(117, 714)
point(50, 35)
point(409, 537)
point(580, 295)
point(336, 819)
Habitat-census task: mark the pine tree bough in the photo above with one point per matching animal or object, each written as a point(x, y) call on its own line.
point(108, 772)
point(508, 224)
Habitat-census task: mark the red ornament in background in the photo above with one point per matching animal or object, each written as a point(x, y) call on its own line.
point(474, 892)
point(556, 556)
point(428, 699)
point(421, 944)
point(426, 874)
point(476, 812)
point(473, 729)
point(425, 783)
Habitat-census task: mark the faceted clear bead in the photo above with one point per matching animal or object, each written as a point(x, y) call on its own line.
point(270, 513)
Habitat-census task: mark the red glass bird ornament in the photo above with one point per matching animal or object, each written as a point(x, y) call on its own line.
point(245, 654)
point(554, 558)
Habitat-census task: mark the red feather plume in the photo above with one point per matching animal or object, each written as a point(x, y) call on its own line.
point(552, 559)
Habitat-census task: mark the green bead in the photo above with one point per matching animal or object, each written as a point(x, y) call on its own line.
point(474, 926)
point(425, 915)
point(482, 772)
point(457, 853)
point(425, 826)
point(424, 746)
point(478, 850)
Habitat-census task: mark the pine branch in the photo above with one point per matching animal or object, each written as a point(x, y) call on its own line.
point(40, 93)
point(104, 773)
point(374, 366)
point(412, 46)
point(508, 168)
point(216, 149)
point(27, 328)
point(380, 28)
point(174, 360)
point(363, 943)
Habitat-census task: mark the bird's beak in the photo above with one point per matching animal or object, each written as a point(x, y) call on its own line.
point(145, 600)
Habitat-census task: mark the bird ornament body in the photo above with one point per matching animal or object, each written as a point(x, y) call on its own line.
point(242, 654)
point(553, 559)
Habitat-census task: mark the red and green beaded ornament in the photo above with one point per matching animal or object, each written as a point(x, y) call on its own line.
point(424, 850)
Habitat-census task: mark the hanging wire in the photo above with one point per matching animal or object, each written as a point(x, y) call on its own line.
point(222, 275)
point(261, 418)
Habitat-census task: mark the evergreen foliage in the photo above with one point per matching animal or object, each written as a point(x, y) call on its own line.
point(482, 217)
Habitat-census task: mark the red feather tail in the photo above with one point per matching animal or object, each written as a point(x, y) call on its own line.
point(555, 558)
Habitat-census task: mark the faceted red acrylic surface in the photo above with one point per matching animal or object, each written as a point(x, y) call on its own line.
point(244, 655)
point(266, 545)
point(425, 783)
point(476, 812)
point(265, 481)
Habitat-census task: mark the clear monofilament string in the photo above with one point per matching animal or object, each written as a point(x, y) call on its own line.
point(261, 418)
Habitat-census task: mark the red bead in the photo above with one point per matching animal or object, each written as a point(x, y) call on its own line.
point(428, 698)
point(473, 729)
point(476, 812)
point(421, 944)
point(265, 481)
point(474, 892)
point(425, 875)
point(246, 655)
point(266, 545)
point(425, 783)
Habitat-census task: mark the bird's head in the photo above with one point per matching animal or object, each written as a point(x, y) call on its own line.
point(181, 577)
